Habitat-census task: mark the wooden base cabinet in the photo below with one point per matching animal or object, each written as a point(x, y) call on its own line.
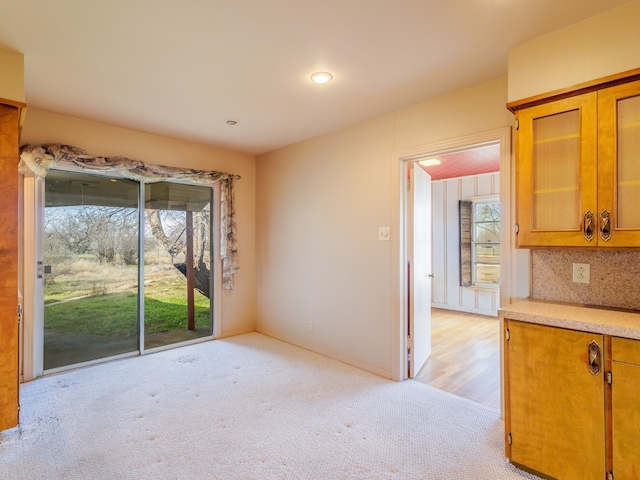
point(572, 403)
point(555, 416)
point(625, 409)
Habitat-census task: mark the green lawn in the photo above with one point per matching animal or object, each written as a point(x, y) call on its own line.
point(115, 314)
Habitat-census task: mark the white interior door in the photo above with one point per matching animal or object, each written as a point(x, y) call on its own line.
point(419, 268)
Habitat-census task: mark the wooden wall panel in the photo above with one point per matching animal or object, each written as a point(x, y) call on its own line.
point(438, 241)
point(447, 292)
point(9, 120)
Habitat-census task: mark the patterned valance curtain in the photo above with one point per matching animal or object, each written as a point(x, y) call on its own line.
point(39, 159)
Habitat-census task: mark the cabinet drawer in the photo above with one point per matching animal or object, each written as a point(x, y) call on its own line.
point(625, 350)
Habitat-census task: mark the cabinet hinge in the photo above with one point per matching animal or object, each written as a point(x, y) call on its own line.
point(517, 124)
point(517, 228)
point(19, 313)
point(509, 439)
point(507, 334)
point(609, 378)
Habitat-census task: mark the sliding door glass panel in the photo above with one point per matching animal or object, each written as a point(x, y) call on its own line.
point(177, 279)
point(90, 268)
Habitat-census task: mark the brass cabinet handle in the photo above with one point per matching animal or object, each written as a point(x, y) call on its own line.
point(593, 356)
point(605, 225)
point(589, 225)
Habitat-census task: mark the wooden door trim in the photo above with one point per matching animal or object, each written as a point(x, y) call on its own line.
point(9, 354)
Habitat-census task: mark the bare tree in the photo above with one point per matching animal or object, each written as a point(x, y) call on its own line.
point(487, 221)
point(100, 230)
point(172, 238)
point(111, 233)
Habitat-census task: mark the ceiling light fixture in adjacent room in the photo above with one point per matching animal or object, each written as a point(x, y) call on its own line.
point(429, 162)
point(231, 121)
point(321, 78)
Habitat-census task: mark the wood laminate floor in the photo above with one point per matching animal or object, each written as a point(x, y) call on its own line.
point(465, 356)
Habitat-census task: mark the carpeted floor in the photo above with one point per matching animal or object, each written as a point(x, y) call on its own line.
point(247, 407)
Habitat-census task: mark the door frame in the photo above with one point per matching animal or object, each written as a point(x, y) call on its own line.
point(399, 287)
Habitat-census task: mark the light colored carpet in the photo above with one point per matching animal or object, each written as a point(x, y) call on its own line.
point(247, 407)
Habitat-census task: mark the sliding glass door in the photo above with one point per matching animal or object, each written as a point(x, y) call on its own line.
point(177, 286)
point(93, 262)
point(90, 268)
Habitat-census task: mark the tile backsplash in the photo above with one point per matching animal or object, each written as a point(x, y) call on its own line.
point(614, 282)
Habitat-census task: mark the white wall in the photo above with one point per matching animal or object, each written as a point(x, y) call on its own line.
point(319, 206)
point(600, 46)
point(238, 307)
point(446, 290)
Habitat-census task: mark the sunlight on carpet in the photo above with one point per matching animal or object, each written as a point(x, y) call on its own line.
point(247, 407)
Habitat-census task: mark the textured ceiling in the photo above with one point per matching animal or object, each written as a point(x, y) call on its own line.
point(467, 162)
point(181, 69)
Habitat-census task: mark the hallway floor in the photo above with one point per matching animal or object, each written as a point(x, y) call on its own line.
point(465, 356)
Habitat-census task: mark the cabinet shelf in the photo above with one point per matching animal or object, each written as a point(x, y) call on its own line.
point(547, 191)
point(629, 125)
point(560, 138)
point(629, 183)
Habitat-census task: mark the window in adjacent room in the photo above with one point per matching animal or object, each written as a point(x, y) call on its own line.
point(480, 242)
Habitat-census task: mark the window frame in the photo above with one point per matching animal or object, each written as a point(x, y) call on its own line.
point(475, 201)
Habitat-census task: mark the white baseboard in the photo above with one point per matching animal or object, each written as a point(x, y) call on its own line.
point(341, 358)
point(233, 333)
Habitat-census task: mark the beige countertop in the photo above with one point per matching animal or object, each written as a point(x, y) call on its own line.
point(619, 323)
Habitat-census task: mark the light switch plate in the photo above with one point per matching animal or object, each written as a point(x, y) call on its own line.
point(383, 233)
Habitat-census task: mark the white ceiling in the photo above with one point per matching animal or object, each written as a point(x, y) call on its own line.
point(181, 68)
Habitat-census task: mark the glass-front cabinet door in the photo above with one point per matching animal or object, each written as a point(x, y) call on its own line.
point(619, 165)
point(556, 173)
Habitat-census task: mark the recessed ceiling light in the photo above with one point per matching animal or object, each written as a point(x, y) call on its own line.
point(321, 77)
point(231, 121)
point(429, 162)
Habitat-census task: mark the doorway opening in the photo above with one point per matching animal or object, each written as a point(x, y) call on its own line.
point(473, 298)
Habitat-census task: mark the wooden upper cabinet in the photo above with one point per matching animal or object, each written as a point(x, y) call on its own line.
point(556, 172)
point(619, 165)
point(578, 170)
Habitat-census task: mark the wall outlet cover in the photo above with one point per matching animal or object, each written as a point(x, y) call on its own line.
point(581, 273)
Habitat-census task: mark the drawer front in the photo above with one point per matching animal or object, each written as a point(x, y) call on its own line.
point(625, 350)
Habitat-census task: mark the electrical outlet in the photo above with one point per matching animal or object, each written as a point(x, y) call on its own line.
point(310, 326)
point(581, 272)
